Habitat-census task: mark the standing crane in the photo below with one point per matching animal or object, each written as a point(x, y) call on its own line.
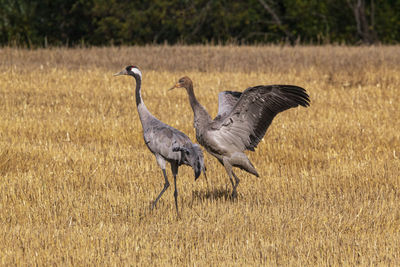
point(242, 121)
point(165, 142)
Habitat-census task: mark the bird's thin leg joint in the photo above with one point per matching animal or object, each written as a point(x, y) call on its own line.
point(166, 185)
point(174, 169)
point(176, 196)
point(228, 168)
point(237, 180)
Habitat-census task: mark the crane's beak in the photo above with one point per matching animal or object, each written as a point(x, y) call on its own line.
point(178, 85)
point(122, 72)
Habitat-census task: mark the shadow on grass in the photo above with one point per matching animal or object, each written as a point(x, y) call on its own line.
point(213, 194)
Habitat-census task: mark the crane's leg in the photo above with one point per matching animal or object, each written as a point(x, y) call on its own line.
point(174, 169)
point(237, 180)
point(166, 185)
point(228, 164)
point(228, 168)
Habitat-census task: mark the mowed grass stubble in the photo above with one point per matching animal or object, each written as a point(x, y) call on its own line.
point(77, 181)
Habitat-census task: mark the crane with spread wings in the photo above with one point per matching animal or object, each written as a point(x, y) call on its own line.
point(241, 122)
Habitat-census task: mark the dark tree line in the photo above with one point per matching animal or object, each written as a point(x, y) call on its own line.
point(35, 23)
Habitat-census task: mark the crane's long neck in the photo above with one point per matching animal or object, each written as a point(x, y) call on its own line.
point(201, 116)
point(138, 92)
point(144, 113)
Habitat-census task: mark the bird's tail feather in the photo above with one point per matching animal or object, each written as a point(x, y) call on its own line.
point(193, 156)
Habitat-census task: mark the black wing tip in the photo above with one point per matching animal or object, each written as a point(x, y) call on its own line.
point(198, 163)
point(197, 173)
point(298, 94)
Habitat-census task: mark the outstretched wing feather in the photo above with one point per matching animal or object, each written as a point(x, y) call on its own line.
point(251, 116)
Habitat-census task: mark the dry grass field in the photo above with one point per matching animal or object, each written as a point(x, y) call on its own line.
point(77, 181)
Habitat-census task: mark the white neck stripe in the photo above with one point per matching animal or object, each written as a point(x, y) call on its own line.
point(137, 71)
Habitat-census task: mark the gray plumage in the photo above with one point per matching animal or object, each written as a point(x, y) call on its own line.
point(165, 142)
point(242, 121)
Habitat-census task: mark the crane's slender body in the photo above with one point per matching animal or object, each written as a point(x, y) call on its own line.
point(242, 121)
point(165, 142)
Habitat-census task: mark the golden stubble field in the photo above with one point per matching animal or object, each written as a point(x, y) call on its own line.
point(76, 180)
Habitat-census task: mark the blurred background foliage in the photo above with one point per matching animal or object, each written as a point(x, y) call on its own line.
point(34, 23)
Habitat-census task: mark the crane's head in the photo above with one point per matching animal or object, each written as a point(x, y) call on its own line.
point(184, 82)
point(130, 70)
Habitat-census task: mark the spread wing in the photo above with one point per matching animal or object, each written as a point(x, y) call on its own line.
point(226, 101)
point(249, 119)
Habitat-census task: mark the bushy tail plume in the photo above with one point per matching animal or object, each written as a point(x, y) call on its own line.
point(192, 156)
